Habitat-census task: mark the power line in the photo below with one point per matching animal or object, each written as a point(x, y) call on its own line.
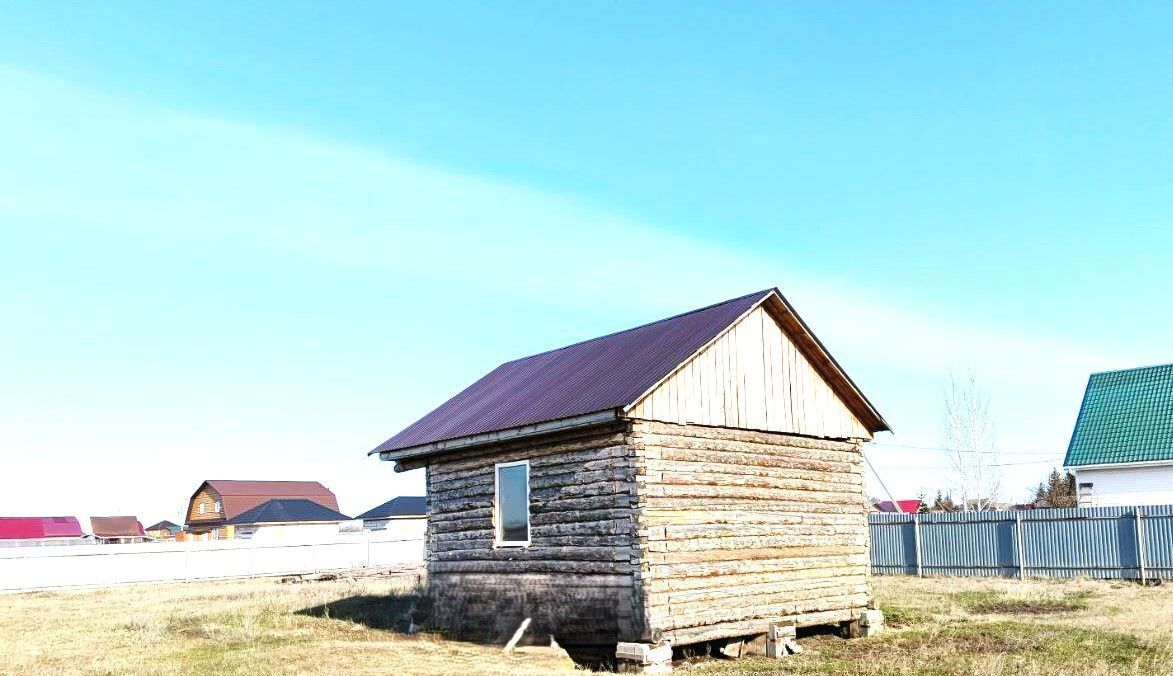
point(942, 448)
point(998, 464)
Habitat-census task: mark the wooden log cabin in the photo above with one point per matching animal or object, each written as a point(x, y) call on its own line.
point(691, 480)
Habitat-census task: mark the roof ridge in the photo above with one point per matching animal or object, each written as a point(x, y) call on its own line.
point(762, 293)
point(1133, 368)
point(265, 481)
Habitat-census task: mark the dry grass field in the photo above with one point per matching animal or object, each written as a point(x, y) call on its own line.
point(940, 627)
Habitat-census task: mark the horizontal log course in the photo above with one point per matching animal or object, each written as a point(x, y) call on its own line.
point(748, 493)
point(509, 567)
point(747, 555)
point(443, 471)
point(755, 542)
point(484, 482)
point(765, 516)
point(679, 532)
point(623, 500)
point(486, 540)
point(485, 485)
point(684, 573)
point(585, 516)
point(553, 503)
point(774, 471)
point(743, 458)
point(525, 554)
point(736, 581)
point(436, 516)
point(529, 579)
point(824, 485)
point(725, 503)
point(766, 591)
point(483, 527)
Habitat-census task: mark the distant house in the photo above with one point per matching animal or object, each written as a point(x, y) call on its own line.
point(164, 530)
point(289, 519)
point(21, 531)
point(1121, 449)
point(218, 501)
point(406, 513)
point(906, 506)
point(117, 529)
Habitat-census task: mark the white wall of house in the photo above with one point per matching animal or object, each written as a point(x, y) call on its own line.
point(414, 526)
point(1125, 486)
point(289, 532)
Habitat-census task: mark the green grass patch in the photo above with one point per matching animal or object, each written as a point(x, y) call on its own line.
point(906, 616)
point(996, 649)
point(234, 656)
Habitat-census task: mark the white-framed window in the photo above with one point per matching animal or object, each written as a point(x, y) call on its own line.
point(202, 507)
point(216, 507)
point(511, 506)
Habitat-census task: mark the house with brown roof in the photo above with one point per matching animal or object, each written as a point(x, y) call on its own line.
point(217, 501)
point(698, 479)
point(117, 530)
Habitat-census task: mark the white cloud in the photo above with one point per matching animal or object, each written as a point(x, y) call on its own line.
point(84, 165)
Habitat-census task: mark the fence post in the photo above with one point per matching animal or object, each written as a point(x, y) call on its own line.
point(1140, 545)
point(1020, 545)
point(916, 543)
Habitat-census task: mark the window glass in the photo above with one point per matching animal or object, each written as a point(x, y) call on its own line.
point(513, 503)
point(202, 506)
point(216, 507)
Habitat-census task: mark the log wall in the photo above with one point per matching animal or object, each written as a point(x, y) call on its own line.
point(575, 580)
point(739, 528)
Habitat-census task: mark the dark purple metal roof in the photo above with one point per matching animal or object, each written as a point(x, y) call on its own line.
point(596, 375)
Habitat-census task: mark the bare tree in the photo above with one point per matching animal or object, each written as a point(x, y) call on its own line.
point(969, 442)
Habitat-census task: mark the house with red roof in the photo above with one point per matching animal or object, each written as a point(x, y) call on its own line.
point(24, 531)
point(906, 506)
point(217, 502)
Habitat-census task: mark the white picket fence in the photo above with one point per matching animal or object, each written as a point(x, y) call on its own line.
point(33, 568)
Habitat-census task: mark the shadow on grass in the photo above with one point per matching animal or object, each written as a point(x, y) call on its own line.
point(400, 613)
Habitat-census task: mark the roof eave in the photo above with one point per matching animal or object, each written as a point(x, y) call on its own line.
point(1121, 465)
point(498, 436)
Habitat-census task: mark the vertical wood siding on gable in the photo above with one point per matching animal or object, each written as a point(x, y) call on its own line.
point(753, 377)
point(740, 528)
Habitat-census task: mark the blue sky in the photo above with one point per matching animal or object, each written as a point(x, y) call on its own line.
point(253, 241)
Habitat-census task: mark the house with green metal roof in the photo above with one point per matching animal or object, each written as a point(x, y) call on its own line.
point(1121, 449)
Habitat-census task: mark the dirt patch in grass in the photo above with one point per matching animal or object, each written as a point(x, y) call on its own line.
point(988, 602)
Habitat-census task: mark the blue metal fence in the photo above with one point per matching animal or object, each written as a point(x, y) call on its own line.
point(1104, 542)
